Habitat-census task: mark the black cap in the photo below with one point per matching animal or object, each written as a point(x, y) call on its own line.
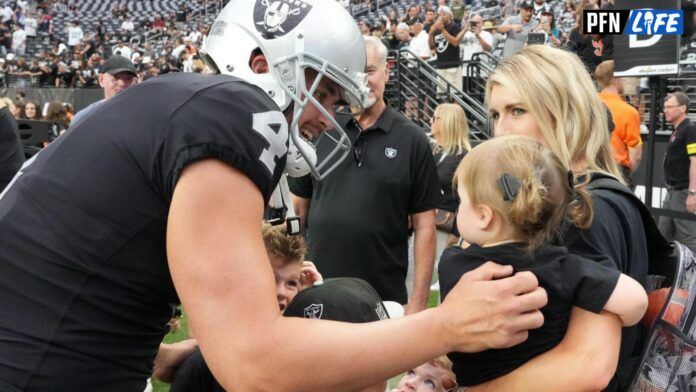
point(116, 64)
point(340, 299)
point(526, 4)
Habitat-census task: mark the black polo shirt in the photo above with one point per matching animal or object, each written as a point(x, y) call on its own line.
point(682, 145)
point(84, 277)
point(358, 216)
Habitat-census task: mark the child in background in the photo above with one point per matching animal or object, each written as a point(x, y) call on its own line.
point(515, 198)
point(292, 275)
point(433, 376)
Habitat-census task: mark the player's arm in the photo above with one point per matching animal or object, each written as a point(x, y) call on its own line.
point(585, 360)
point(628, 301)
point(223, 277)
point(423, 259)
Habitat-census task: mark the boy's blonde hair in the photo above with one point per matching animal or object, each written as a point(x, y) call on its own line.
point(444, 363)
point(454, 129)
point(544, 196)
point(290, 248)
point(565, 104)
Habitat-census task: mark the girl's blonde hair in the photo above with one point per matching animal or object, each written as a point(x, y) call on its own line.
point(540, 200)
point(557, 90)
point(454, 129)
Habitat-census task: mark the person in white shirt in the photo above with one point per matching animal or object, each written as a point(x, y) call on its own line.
point(75, 34)
point(122, 49)
point(19, 41)
point(5, 13)
point(30, 25)
point(474, 39)
point(127, 26)
point(419, 44)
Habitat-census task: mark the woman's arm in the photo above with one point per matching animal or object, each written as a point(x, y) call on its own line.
point(585, 360)
point(628, 301)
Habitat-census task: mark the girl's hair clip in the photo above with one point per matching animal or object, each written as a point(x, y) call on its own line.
point(510, 185)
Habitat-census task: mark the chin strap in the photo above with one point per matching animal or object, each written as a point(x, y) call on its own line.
point(281, 209)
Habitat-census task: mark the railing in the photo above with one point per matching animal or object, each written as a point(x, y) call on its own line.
point(416, 89)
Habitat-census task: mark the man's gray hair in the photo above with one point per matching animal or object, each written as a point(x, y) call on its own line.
point(682, 99)
point(379, 48)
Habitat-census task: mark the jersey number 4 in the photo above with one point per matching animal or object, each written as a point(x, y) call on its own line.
point(273, 127)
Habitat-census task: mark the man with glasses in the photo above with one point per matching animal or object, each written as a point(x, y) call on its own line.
point(680, 172)
point(358, 217)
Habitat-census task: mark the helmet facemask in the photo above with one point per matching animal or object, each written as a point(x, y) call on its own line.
point(333, 145)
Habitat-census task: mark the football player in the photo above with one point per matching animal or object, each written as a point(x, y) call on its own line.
point(157, 197)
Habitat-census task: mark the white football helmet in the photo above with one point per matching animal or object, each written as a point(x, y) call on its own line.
point(294, 35)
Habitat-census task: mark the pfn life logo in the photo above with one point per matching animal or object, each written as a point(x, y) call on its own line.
point(633, 22)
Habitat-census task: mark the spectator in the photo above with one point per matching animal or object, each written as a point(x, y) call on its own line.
point(680, 171)
point(292, 275)
point(411, 15)
point(517, 28)
point(121, 49)
point(450, 131)
point(11, 151)
point(31, 111)
point(443, 40)
point(430, 16)
point(419, 43)
point(616, 232)
point(547, 25)
point(626, 142)
point(403, 37)
point(432, 376)
point(19, 41)
point(514, 196)
point(592, 49)
point(57, 115)
point(473, 39)
point(117, 74)
point(6, 13)
point(31, 26)
point(75, 34)
point(540, 7)
point(127, 26)
point(388, 149)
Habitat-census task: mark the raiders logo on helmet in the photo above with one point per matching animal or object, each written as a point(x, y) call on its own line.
point(274, 18)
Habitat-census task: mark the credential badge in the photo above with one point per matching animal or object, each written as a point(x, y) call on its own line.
point(275, 18)
point(314, 311)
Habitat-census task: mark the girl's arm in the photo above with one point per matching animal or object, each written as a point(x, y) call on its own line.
point(628, 301)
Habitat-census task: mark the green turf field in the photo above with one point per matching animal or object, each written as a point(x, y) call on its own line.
point(181, 334)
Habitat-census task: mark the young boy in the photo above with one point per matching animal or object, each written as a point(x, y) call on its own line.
point(433, 376)
point(292, 275)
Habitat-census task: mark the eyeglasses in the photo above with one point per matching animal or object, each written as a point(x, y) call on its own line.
point(672, 106)
point(359, 152)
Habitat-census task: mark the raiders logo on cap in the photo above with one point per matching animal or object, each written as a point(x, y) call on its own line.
point(314, 311)
point(274, 18)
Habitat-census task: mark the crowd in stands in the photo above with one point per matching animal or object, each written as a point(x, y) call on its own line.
point(36, 52)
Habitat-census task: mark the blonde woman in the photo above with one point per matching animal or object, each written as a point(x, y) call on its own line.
point(450, 132)
point(546, 94)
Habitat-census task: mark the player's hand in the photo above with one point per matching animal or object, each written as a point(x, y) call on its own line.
point(489, 308)
point(309, 274)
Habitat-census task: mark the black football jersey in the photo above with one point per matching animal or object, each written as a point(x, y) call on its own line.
point(85, 289)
